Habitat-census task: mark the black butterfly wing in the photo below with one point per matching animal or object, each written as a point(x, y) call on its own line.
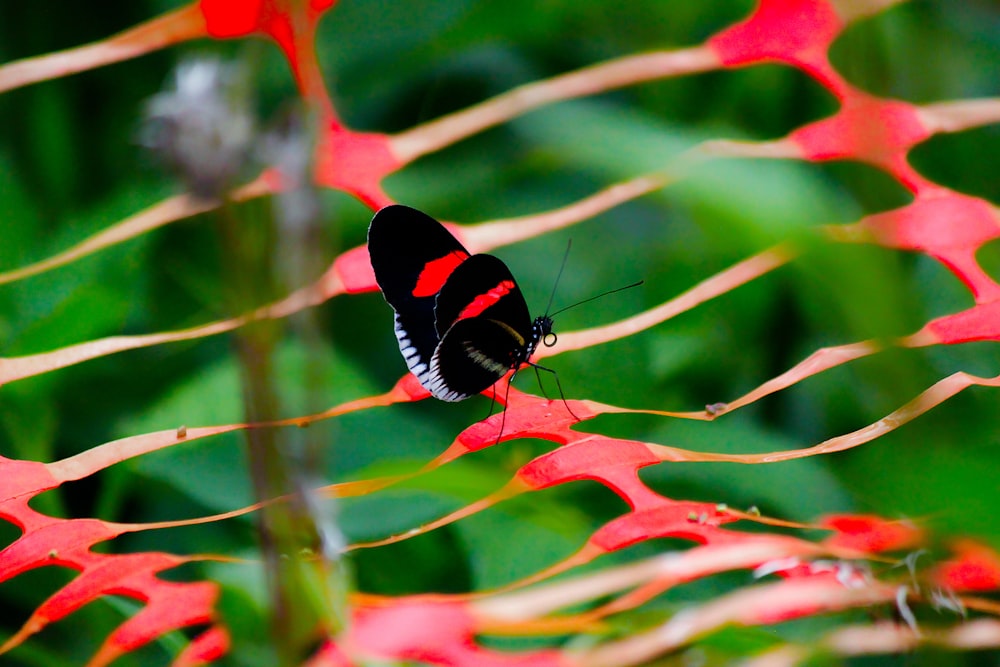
point(413, 256)
point(482, 286)
point(475, 353)
point(484, 325)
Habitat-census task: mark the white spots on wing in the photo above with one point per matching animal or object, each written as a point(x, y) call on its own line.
point(417, 365)
point(436, 384)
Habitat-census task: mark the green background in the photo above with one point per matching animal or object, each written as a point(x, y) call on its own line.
point(70, 166)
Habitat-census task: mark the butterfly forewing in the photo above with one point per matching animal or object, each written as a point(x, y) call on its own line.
point(482, 286)
point(413, 255)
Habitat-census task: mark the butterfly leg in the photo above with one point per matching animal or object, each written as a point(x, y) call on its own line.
point(506, 400)
point(541, 386)
point(562, 394)
point(493, 401)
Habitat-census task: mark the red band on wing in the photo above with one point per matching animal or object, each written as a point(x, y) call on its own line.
point(436, 272)
point(484, 301)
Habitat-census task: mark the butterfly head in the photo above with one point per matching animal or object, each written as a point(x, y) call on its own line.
point(541, 330)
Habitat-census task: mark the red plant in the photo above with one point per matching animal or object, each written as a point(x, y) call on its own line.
point(817, 576)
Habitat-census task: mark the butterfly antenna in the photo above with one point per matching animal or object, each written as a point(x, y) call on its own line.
point(569, 244)
point(597, 296)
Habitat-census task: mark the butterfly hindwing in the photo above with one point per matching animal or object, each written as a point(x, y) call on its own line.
point(484, 324)
point(474, 354)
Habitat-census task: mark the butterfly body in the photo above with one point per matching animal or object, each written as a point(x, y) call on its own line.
point(461, 320)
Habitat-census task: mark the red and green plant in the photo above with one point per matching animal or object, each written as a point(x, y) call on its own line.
point(469, 551)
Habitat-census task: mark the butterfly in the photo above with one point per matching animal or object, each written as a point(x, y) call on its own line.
point(461, 320)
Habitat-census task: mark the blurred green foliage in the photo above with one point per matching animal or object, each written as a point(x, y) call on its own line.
point(69, 166)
